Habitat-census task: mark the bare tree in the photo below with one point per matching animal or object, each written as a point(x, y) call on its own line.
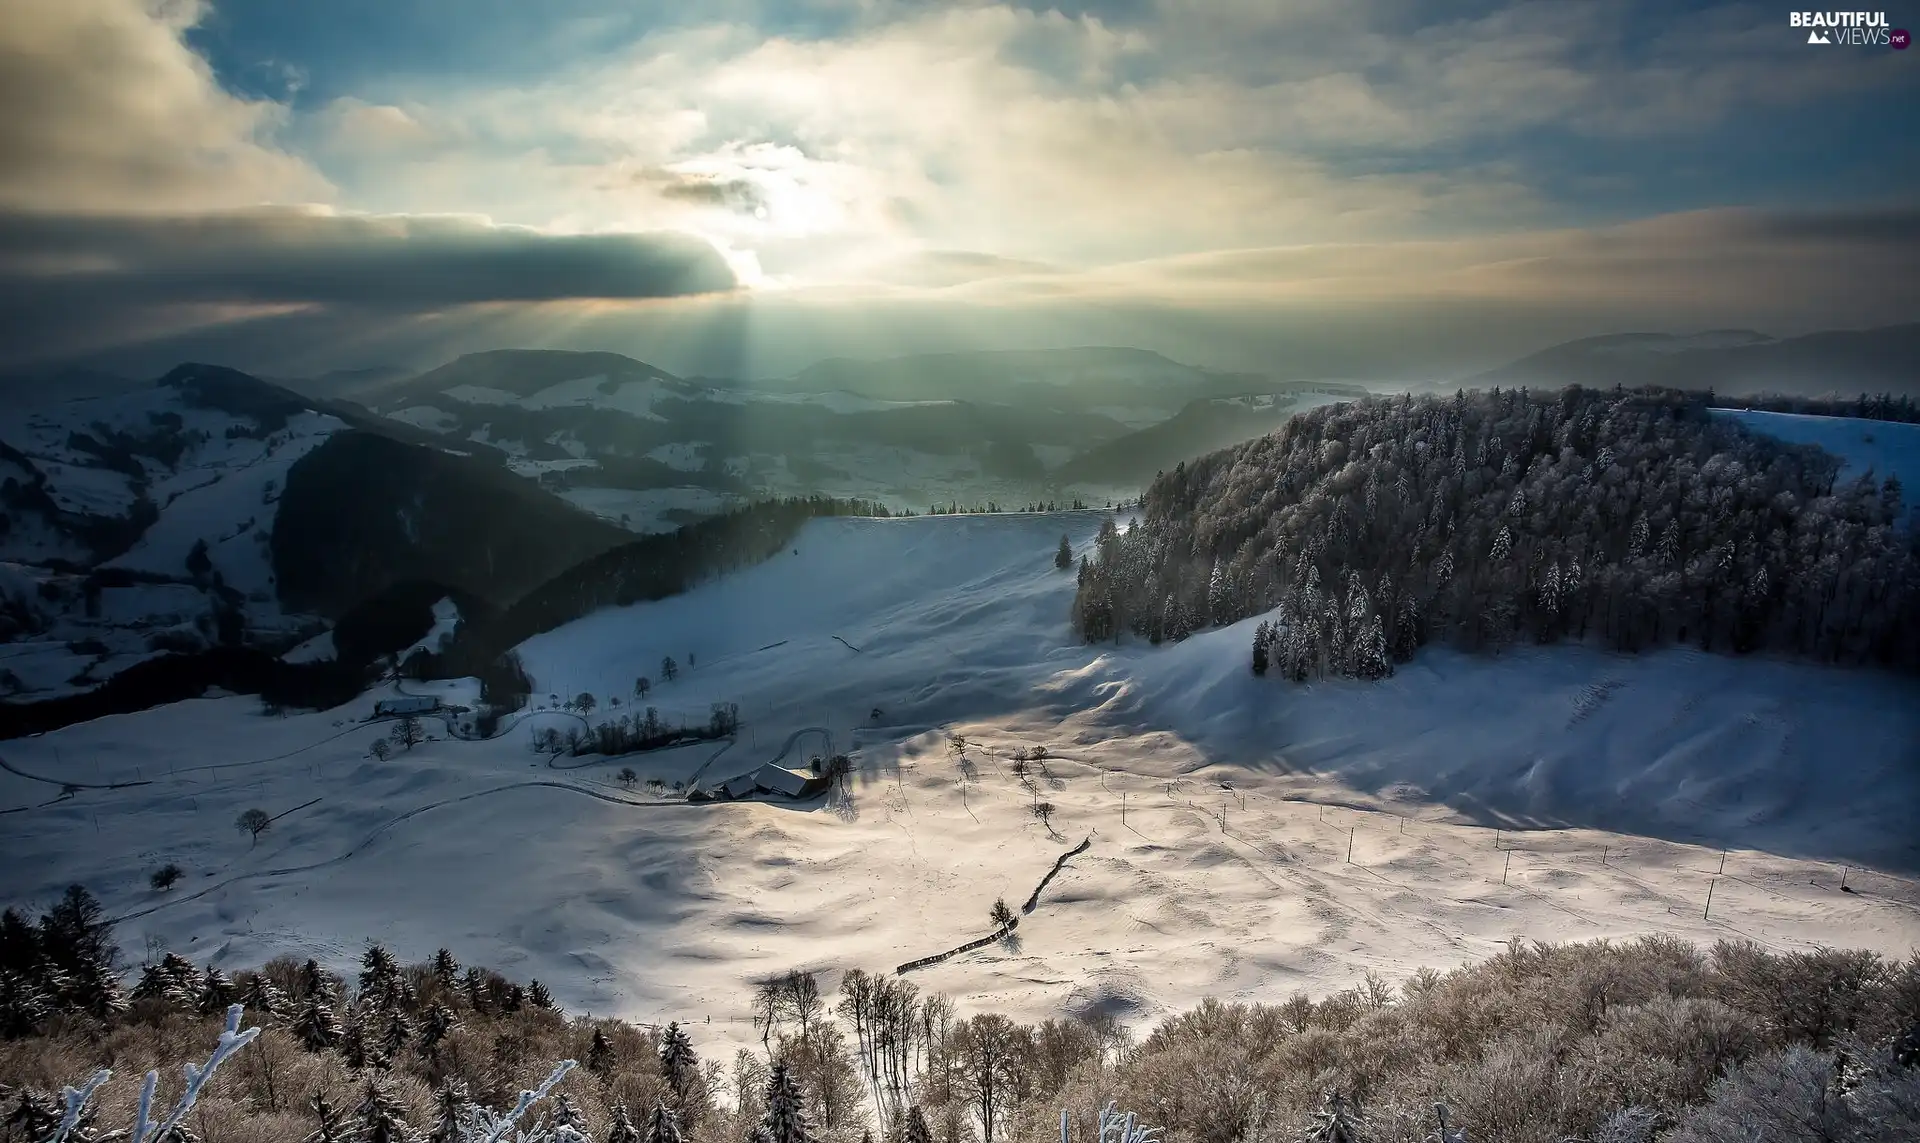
point(408, 732)
point(380, 749)
point(627, 777)
point(669, 670)
point(1001, 915)
point(641, 686)
point(584, 702)
point(254, 822)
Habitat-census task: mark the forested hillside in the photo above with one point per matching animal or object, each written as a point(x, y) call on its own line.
point(1631, 517)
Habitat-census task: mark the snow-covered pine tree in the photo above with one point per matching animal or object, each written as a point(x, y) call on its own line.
point(1261, 638)
point(379, 974)
point(663, 1126)
point(315, 1025)
point(445, 969)
point(1063, 555)
point(23, 1005)
point(678, 1065)
point(315, 982)
point(917, 1129)
point(538, 996)
point(452, 1108)
point(396, 1032)
point(620, 1128)
point(217, 990)
point(600, 1055)
point(380, 1118)
point(786, 1117)
point(566, 1115)
point(436, 1026)
point(263, 998)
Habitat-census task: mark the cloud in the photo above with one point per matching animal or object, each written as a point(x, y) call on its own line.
point(108, 109)
point(61, 275)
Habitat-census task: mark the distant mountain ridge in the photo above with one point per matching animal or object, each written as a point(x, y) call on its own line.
point(1842, 363)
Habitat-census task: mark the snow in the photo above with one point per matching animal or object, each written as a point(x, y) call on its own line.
point(687, 456)
point(446, 617)
point(481, 395)
point(317, 649)
point(233, 511)
point(427, 417)
point(88, 490)
point(1883, 448)
point(1613, 782)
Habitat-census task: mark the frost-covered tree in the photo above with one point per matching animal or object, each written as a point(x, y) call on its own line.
point(917, 1130)
point(600, 1054)
point(620, 1128)
point(785, 1120)
point(662, 1126)
point(315, 1024)
point(641, 686)
point(445, 969)
point(264, 998)
point(217, 990)
point(669, 670)
point(1063, 555)
point(379, 1118)
point(678, 1065)
point(1632, 518)
point(1337, 1121)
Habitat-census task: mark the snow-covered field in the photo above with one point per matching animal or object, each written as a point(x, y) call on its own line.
point(1249, 837)
point(1883, 448)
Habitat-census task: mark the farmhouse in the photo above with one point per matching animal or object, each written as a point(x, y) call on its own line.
point(406, 704)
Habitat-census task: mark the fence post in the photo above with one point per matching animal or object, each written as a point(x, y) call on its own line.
point(1709, 909)
point(1350, 830)
point(1505, 867)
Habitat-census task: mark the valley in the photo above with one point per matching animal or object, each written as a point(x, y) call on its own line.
point(1551, 793)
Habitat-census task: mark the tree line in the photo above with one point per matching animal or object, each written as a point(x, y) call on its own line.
point(1634, 518)
point(1622, 1041)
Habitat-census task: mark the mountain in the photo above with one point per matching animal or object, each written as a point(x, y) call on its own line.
point(214, 508)
point(1731, 362)
point(1201, 427)
point(636, 444)
point(364, 512)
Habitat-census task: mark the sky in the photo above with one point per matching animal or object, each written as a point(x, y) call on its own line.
point(1357, 188)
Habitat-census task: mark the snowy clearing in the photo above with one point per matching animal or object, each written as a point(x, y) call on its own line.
point(1884, 448)
point(1223, 809)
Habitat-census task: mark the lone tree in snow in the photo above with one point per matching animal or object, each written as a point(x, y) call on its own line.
point(164, 877)
point(641, 686)
point(584, 702)
point(380, 749)
point(253, 822)
point(669, 670)
point(627, 777)
point(1063, 555)
point(1044, 811)
point(408, 733)
point(1001, 915)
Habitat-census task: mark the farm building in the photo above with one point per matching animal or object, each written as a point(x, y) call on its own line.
point(768, 779)
point(405, 705)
